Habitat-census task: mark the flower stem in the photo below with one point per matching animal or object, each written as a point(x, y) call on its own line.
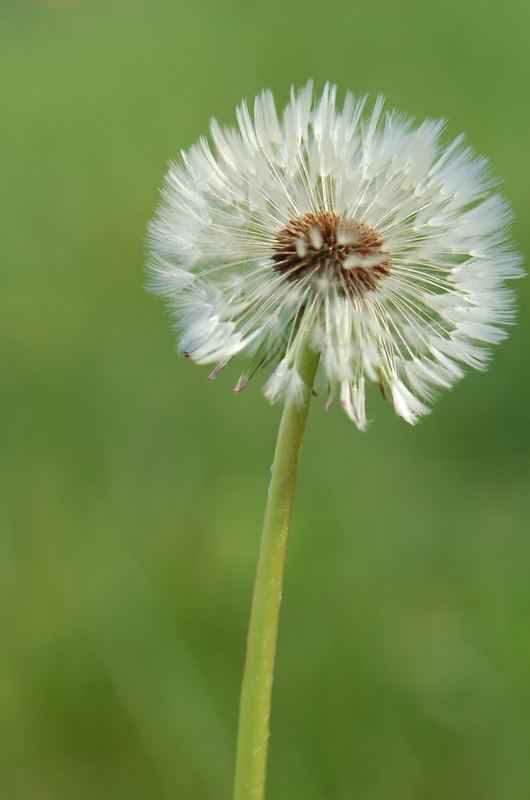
point(254, 712)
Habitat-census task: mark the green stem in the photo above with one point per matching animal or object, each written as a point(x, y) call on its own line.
point(254, 712)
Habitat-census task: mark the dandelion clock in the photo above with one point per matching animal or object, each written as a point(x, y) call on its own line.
point(327, 247)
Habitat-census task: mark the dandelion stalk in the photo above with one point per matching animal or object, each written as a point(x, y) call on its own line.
point(253, 734)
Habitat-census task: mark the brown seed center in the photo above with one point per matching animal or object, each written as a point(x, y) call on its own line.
point(333, 250)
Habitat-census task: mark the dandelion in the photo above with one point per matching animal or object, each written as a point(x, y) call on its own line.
point(361, 238)
point(333, 247)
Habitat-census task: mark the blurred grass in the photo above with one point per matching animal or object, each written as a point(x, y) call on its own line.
point(132, 490)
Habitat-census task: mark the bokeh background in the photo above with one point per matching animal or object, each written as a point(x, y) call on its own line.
point(132, 490)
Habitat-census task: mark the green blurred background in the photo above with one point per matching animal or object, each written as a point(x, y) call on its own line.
point(132, 490)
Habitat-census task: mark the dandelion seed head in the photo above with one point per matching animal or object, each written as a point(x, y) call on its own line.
point(325, 251)
point(354, 232)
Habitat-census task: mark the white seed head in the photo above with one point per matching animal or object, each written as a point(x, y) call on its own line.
point(315, 237)
point(301, 247)
point(367, 238)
